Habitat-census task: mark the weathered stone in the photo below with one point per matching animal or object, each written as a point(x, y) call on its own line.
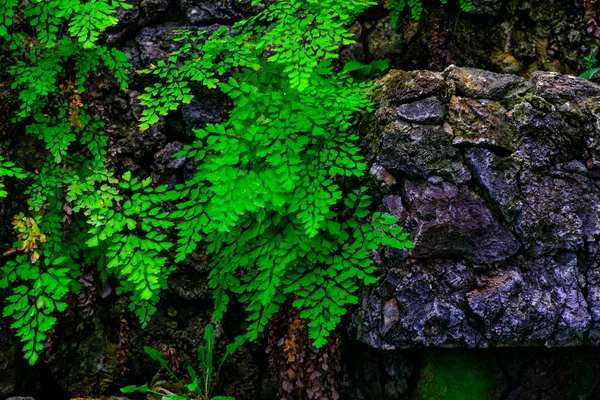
point(427, 111)
point(391, 315)
point(404, 87)
point(485, 8)
point(152, 10)
point(498, 177)
point(546, 137)
point(480, 84)
point(429, 298)
point(542, 303)
point(164, 162)
point(454, 222)
point(420, 150)
point(481, 123)
point(561, 211)
point(393, 204)
point(210, 110)
point(208, 12)
point(559, 89)
point(382, 176)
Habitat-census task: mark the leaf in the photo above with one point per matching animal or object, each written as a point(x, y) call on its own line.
point(134, 388)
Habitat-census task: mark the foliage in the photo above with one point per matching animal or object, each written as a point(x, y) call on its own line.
point(416, 8)
point(52, 60)
point(590, 67)
point(203, 384)
point(366, 71)
point(272, 195)
point(8, 169)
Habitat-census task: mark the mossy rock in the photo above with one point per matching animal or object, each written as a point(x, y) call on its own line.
point(459, 375)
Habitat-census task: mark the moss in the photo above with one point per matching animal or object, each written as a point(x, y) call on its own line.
point(457, 375)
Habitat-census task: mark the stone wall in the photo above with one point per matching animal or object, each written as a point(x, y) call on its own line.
point(498, 179)
point(494, 175)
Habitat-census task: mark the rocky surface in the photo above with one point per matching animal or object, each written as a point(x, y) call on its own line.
point(503, 205)
point(497, 177)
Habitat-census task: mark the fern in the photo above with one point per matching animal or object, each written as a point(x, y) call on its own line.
point(69, 192)
point(268, 195)
point(8, 169)
point(416, 8)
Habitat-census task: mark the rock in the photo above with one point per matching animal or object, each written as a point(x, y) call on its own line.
point(498, 176)
point(423, 306)
point(163, 160)
point(153, 10)
point(482, 123)
point(404, 87)
point(420, 151)
point(480, 84)
point(89, 365)
point(427, 111)
point(454, 222)
point(207, 107)
point(558, 89)
point(547, 137)
point(485, 8)
point(391, 315)
point(208, 12)
point(541, 303)
point(561, 211)
point(394, 206)
point(382, 176)
point(385, 42)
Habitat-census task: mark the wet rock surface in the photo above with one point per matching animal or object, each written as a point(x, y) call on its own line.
point(505, 252)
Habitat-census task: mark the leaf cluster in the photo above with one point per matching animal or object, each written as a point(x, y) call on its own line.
point(416, 8)
point(202, 384)
point(50, 72)
point(272, 195)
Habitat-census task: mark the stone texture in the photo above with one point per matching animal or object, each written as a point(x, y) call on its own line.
point(454, 222)
point(561, 211)
point(498, 177)
point(428, 111)
point(207, 12)
point(420, 151)
point(503, 205)
point(541, 304)
point(479, 122)
point(404, 87)
point(480, 84)
point(558, 89)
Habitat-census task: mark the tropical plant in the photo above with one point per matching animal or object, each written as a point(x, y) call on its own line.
point(276, 196)
point(52, 59)
point(202, 384)
point(273, 195)
point(590, 67)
